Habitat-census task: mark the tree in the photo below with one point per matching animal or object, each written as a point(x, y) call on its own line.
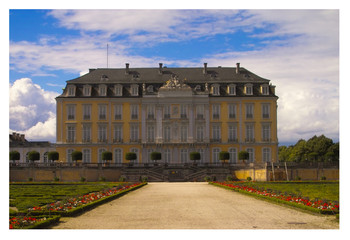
point(130, 156)
point(224, 156)
point(77, 156)
point(33, 156)
point(156, 156)
point(243, 155)
point(194, 156)
point(15, 156)
point(107, 156)
point(53, 156)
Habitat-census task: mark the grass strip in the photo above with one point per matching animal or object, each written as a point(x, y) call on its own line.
point(276, 200)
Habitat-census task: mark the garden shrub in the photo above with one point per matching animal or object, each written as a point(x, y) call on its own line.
point(229, 178)
point(207, 178)
point(323, 178)
point(102, 179)
point(56, 179)
point(249, 179)
point(82, 179)
point(122, 178)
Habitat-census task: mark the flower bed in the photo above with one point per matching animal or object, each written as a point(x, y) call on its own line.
point(324, 207)
point(71, 206)
point(22, 222)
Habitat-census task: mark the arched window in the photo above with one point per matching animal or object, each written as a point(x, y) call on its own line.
point(135, 150)
point(69, 155)
point(118, 156)
point(266, 154)
point(100, 151)
point(86, 155)
point(251, 154)
point(233, 155)
point(216, 152)
point(45, 157)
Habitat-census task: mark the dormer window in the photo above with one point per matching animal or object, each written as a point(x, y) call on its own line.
point(118, 90)
point(134, 90)
point(215, 89)
point(197, 88)
point(231, 89)
point(104, 78)
point(150, 89)
point(87, 90)
point(248, 89)
point(102, 90)
point(71, 91)
point(264, 89)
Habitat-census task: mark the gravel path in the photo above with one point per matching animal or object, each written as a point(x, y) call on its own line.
point(193, 206)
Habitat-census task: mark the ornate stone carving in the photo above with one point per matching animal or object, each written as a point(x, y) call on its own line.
point(174, 83)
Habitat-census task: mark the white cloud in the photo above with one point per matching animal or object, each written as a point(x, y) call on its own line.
point(32, 110)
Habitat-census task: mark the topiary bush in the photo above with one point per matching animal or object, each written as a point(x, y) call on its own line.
point(249, 179)
point(53, 156)
point(15, 156)
point(33, 156)
point(122, 178)
point(77, 156)
point(229, 178)
point(207, 178)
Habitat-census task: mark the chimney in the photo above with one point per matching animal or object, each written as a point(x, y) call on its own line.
point(160, 68)
point(205, 68)
point(237, 68)
point(126, 68)
point(22, 138)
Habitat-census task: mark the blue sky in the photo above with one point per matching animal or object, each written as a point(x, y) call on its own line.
point(298, 50)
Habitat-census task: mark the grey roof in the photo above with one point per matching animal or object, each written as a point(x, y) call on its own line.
point(144, 75)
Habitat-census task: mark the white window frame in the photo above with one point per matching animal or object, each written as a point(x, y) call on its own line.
point(150, 133)
point(102, 90)
point(266, 131)
point(102, 133)
point(248, 89)
point(216, 111)
point(86, 155)
point(249, 130)
point(135, 150)
point(183, 133)
point(118, 111)
point(134, 113)
point(71, 111)
point(264, 89)
point(118, 133)
point(150, 111)
point(86, 111)
point(216, 133)
point(215, 88)
point(69, 154)
point(215, 155)
point(265, 110)
point(87, 90)
point(231, 89)
point(99, 154)
point(183, 111)
point(118, 90)
point(167, 112)
point(134, 133)
point(200, 111)
point(200, 133)
point(167, 155)
point(71, 133)
point(134, 90)
point(102, 112)
point(249, 110)
point(183, 155)
point(266, 154)
point(232, 132)
point(118, 155)
point(232, 111)
point(71, 91)
point(233, 155)
point(167, 134)
point(251, 152)
point(86, 133)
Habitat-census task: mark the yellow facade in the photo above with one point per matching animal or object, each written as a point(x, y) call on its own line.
point(252, 127)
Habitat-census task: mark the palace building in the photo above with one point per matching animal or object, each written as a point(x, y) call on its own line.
point(174, 111)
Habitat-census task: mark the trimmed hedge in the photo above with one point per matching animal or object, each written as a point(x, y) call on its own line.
point(42, 224)
point(276, 200)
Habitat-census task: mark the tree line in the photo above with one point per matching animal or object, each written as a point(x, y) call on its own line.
point(316, 149)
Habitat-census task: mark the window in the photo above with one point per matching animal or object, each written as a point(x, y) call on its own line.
point(233, 155)
point(134, 90)
point(249, 132)
point(70, 133)
point(216, 111)
point(134, 133)
point(150, 111)
point(167, 134)
point(251, 154)
point(215, 89)
point(216, 133)
point(183, 155)
point(118, 134)
point(232, 133)
point(135, 150)
point(87, 90)
point(184, 131)
point(100, 151)
point(70, 112)
point(102, 112)
point(150, 133)
point(118, 110)
point(118, 155)
point(183, 111)
point(118, 90)
point(71, 91)
point(265, 109)
point(266, 129)
point(45, 157)
point(249, 110)
point(200, 111)
point(102, 133)
point(166, 111)
point(248, 89)
point(200, 133)
point(216, 155)
point(86, 155)
point(167, 155)
point(134, 112)
point(86, 111)
point(231, 89)
point(266, 154)
point(264, 89)
point(201, 152)
point(232, 111)
point(69, 155)
point(86, 133)
point(150, 89)
point(102, 89)
point(197, 88)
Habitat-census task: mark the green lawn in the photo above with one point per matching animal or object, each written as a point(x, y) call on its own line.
point(24, 196)
point(312, 190)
